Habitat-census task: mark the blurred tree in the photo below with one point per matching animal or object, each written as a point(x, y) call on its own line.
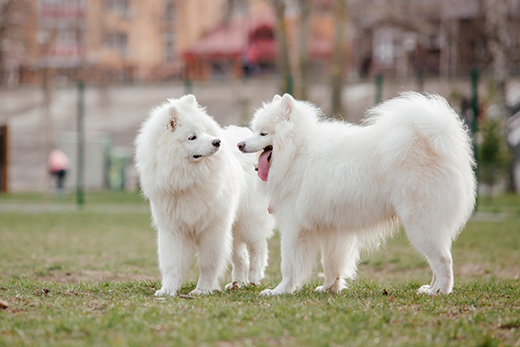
point(494, 156)
point(16, 28)
point(283, 64)
point(5, 21)
point(500, 45)
point(337, 69)
point(498, 30)
point(303, 50)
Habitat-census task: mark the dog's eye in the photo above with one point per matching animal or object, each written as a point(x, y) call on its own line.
point(192, 137)
point(263, 134)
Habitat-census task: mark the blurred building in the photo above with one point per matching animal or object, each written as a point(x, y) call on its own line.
point(246, 44)
point(18, 46)
point(404, 37)
point(62, 26)
point(245, 39)
point(113, 40)
point(132, 40)
point(127, 40)
point(143, 39)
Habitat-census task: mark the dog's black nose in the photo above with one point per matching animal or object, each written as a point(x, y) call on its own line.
point(216, 143)
point(241, 145)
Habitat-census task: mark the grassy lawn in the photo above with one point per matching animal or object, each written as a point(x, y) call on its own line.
point(88, 278)
point(101, 197)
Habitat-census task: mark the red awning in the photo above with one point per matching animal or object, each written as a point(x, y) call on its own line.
point(231, 41)
point(223, 42)
point(238, 39)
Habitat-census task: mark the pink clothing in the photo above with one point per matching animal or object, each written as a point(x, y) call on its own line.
point(58, 161)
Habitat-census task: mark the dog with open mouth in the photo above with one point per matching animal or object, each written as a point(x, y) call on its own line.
point(345, 187)
point(203, 193)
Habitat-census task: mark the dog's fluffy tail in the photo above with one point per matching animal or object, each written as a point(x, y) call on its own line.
point(410, 116)
point(425, 133)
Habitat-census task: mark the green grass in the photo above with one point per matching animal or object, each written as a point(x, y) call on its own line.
point(88, 279)
point(101, 197)
point(509, 203)
point(126, 313)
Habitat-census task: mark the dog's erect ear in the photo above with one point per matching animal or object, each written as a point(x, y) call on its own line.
point(287, 106)
point(172, 123)
point(277, 98)
point(190, 98)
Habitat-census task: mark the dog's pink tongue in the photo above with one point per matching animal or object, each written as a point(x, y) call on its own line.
point(263, 165)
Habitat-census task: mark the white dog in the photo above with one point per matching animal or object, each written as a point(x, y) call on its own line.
point(344, 186)
point(203, 193)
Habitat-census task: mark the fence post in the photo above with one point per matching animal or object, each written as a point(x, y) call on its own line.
point(4, 152)
point(474, 122)
point(379, 88)
point(80, 199)
point(289, 84)
point(474, 99)
point(188, 86)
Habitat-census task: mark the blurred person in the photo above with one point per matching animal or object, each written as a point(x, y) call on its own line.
point(58, 165)
point(250, 61)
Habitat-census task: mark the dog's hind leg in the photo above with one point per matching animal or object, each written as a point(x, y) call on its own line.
point(298, 248)
point(258, 260)
point(214, 252)
point(240, 262)
point(340, 256)
point(435, 245)
point(175, 252)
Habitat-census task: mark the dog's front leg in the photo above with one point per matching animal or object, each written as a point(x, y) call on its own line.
point(298, 252)
point(175, 252)
point(214, 253)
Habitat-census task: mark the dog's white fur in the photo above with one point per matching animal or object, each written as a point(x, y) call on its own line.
point(343, 186)
point(202, 194)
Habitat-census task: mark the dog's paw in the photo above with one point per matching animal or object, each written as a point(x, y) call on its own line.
point(234, 285)
point(165, 292)
point(322, 289)
point(199, 292)
point(267, 292)
point(272, 292)
point(428, 290)
point(424, 289)
point(335, 288)
point(255, 277)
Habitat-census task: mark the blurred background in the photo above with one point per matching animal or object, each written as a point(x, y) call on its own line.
point(81, 75)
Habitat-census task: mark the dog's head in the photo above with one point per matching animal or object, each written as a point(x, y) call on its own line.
point(186, 128)
point(178, 144)
point(275, 123)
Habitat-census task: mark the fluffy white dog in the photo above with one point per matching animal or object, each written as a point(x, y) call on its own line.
point(203, 193)
point(344, 186)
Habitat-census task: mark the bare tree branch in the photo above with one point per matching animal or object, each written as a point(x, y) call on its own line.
point(283, 62)
point(497, 29)
point(303, 39)
point(337, 68)
point(5, 10)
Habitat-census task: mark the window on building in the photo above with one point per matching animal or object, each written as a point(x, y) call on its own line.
point(169, 13)
point(384, 46)
point(118, 41)
point(169, 46)
point(236, 7)
point(118, 6)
